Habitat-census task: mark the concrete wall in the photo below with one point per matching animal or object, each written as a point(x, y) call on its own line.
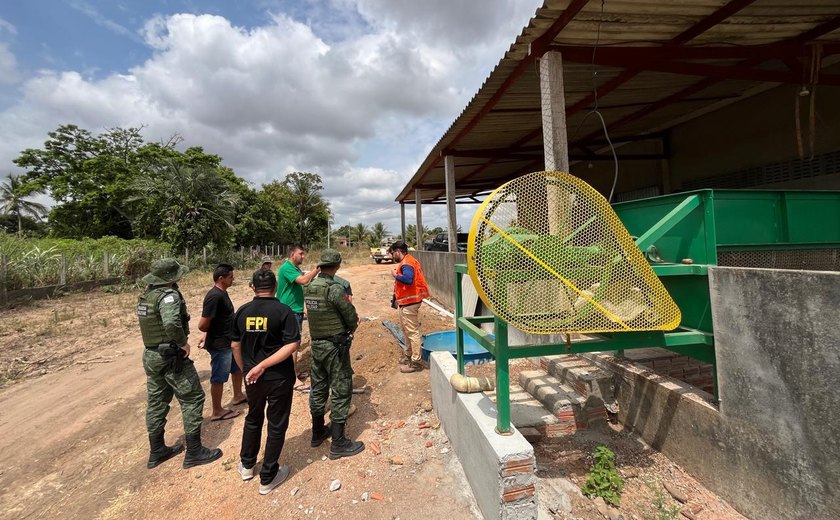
point(778, 352)
point(439, 268)
point(772, 448)
point(499, 468)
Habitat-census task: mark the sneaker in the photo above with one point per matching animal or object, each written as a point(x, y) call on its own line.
point(405, 360)
point(278, 479)
point(247, 473)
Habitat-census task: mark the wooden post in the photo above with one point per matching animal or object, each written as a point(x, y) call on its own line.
point(106, 264)
point(204, 256)
point(402, 221)
point(186, 256)
point(449, 168)
point(62, 274)
point(4, 297)
point(418, 210)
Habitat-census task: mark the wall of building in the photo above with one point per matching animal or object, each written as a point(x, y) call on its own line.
point(755, 132)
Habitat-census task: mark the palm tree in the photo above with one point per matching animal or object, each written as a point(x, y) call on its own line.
point(359, 233)
point(377, 233)
point(12, 201)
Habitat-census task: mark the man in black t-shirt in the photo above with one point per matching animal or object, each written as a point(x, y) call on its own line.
point(216, 321)
point(265, 336)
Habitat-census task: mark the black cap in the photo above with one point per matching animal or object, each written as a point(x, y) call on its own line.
point(399, 244)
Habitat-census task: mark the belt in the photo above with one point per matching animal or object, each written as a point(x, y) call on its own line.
point(155, 347)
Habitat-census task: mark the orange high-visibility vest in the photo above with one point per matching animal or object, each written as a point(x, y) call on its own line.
point(414, 293)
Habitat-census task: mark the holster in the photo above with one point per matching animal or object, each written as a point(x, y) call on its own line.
point(173, 356)
point(342, 342)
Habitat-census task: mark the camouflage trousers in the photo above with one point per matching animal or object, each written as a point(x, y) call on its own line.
point(329, 375)
point(162, 384)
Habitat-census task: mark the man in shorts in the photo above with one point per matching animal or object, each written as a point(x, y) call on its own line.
point(216, 321)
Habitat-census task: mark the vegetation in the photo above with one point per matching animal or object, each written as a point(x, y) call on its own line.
point(603, 480)
point(13, 203)
point(115, 184)
point(37, 262)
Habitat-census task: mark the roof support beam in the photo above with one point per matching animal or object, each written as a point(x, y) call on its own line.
point(816, 32)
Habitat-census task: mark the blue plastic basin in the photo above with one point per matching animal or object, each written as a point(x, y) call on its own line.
point(474, 354)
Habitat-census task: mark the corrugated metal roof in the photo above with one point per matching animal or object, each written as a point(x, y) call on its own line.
point(634, 97)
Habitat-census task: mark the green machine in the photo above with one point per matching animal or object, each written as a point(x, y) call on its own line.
point(679, 236)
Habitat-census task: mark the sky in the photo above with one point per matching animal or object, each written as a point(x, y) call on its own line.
point(358, 91)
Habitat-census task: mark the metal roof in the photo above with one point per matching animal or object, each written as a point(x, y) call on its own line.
point(657, 64)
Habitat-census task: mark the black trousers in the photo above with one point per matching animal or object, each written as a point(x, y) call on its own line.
point(275, 396)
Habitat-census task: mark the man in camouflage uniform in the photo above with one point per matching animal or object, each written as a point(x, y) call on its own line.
point(332, 321)
point(164, 324)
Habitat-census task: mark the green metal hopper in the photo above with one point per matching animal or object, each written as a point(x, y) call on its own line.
point(681, 235)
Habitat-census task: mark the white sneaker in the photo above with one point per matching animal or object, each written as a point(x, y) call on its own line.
point(282, 474)
point(247, 473)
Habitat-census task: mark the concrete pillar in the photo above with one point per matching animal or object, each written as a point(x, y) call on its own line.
point(452, 223)
point(556, 144)
point(555, 140)
point(418, 209)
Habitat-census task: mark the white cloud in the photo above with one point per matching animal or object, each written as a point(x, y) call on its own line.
point(361, 108)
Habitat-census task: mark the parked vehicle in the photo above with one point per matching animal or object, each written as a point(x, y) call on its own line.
point(441, 242)
point(380, 254)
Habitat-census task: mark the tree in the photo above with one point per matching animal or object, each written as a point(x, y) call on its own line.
point(411, 235)
point(89, 177)
point(359, 233)
point(377, 233)
point(195, 205)
point(302, 194)
point(12, 201)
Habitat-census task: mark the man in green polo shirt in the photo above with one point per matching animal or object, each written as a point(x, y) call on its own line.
point(290, 282)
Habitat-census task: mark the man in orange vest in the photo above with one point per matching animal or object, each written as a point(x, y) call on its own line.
point(409, 290)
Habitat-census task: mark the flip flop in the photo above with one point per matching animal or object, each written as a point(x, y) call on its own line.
point(244, 400)
point(302, 387)
point(303, 375)
point(230, 414)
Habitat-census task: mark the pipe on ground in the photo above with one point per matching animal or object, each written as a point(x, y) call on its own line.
point(469, 385)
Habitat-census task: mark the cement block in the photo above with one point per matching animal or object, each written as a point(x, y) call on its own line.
point(499, 468)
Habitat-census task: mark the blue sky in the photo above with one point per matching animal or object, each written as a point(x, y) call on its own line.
point(355, 90)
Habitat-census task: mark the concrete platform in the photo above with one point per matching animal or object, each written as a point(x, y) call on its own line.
point(499, 468)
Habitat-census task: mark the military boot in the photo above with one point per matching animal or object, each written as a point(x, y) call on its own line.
point(320, 433)
point(198, 454)
point(342, 446)
point(160, 452)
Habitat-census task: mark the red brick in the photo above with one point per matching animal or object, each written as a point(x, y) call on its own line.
point(518, 467)
point(513, 494)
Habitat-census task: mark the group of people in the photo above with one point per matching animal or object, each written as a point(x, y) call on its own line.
point(258, 344)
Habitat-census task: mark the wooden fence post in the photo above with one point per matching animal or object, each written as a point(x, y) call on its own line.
point(204, 256)
point(4, 298)
point(186, 256)
point(62, 275)
point(106, 264)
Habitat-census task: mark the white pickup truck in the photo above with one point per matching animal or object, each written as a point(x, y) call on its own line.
point(380, 254)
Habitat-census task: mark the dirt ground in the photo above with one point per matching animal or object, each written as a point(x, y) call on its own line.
point(73, 441)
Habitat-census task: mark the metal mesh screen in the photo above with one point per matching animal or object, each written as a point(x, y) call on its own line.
point(549, 255)
point(800, 259)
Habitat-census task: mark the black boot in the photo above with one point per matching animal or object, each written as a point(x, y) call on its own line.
point(320, 433)
point(198, 454)
point(342, 446)
point(160, 452)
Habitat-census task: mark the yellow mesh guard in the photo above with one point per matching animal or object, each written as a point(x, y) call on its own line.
point(549, 255)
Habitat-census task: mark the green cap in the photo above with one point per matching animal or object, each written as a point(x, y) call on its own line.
point(329, 258)
point(165, 271)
